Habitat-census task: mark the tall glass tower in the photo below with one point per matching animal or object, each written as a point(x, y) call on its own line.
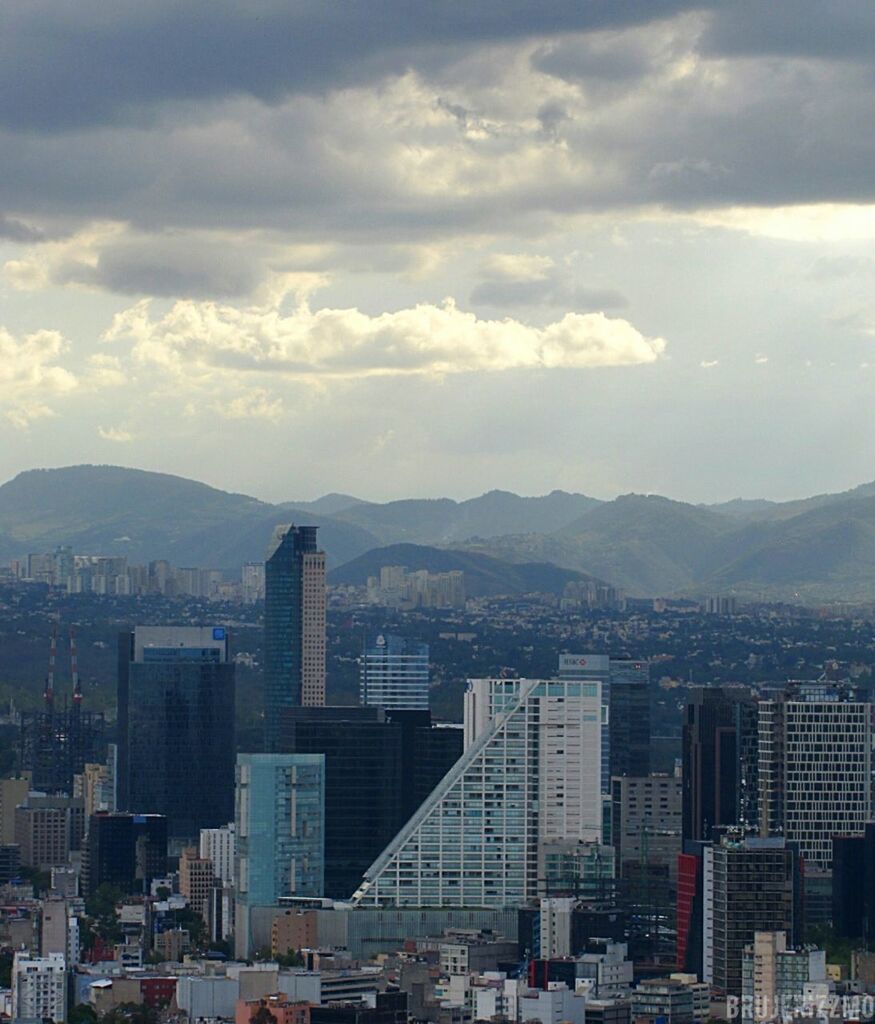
point(176, 692)
point(294, 625)
point(280, 827)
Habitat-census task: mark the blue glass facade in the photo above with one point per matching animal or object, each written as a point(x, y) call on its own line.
point(280, 816)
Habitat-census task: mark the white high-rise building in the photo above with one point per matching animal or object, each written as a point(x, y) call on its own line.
point(815, 766)
point(218, 845)
point(39, 987)
point(529, 776)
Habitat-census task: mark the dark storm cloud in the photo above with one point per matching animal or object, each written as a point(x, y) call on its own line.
point(89, 62)
point(841, 29)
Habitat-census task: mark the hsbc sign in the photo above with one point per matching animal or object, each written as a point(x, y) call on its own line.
point(584, 662)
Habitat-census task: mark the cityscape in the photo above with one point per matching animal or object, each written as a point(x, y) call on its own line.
point(437, 512)
point(650, 810)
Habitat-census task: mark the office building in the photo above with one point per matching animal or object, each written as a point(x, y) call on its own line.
point(379, 767)
point(294, 625)
point(626, 696)
point(279, 823)
point(815, 766)
point(48, 829)
point(719, 761)
point(218, 845)
point(777, 980)
point(529, 776)
point(748, 885)
point(176, 696)
point(394, 673)
point(124, 850)
point(39, 987)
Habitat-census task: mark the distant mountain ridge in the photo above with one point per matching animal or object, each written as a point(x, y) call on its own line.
point(485, 576)
point(811, 550)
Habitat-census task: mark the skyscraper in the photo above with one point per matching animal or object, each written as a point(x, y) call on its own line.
point(719, 761)
point(626, 696)
point(176, 726)
point(529, 779)
point(749, 885)
point(394, 673)
point(279, 824)
point(379, 767)
point(815, 766)
point(294, 625)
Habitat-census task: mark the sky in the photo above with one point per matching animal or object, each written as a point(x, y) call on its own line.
point(412, 250)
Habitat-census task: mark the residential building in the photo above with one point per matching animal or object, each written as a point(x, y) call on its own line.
point(279, 822)
point(98, 784)
point(217, 845)
point(555, 1005)
point(815, 766)
point(394, 673)
point(294, 625)
point(39, 987)
point(529, 776)
point(176, 694)
point(196, 880)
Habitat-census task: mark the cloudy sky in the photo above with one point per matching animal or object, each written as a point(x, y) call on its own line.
point(399, 249)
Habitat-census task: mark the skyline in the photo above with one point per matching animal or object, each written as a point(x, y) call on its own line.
point(603, 248)
point(280, 497)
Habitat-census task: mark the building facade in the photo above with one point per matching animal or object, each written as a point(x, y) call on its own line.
point(529, 777)
point(294, 625)
point(379, 767)
point(279, 823)
point(176, 695)
point(719, 761)
point(815, 766)
point(394, 673)
point(749, 885)
point(39, 987)
point(626, 696)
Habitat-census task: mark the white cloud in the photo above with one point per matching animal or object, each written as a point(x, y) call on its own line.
point(508, 266)
point(708, 364)
point(116, 434)
point(205, 338)
point(31, 376)
point(760, 359)
point(256, 404)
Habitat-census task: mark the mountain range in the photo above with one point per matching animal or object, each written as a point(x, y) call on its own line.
point(810, 550)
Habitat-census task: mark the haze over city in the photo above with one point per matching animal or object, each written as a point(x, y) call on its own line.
point(400, 251)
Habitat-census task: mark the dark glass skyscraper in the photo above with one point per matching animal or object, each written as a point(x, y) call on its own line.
point(124, 850)
point(294, 625)
point(719, 761)
point(176, 726)
point(379, 767)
